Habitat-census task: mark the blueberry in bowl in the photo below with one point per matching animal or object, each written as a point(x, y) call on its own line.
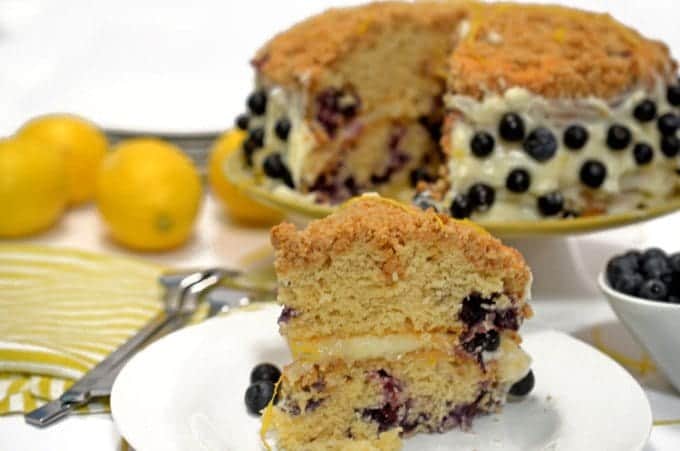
point(651, 274)
point(643, 289)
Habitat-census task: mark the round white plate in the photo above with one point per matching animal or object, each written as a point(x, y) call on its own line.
point(185, 393)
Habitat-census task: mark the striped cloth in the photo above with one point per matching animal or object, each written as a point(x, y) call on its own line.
point(61, 312)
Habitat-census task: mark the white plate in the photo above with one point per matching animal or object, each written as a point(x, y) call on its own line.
point(185, 392)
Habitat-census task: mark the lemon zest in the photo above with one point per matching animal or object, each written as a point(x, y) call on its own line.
point(268, 417)
point(643, 366)
point(675, 422)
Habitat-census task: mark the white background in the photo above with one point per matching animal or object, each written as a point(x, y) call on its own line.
point(169, 65)
point(182, 67)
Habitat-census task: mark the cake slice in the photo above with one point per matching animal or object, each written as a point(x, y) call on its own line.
point(399, 321)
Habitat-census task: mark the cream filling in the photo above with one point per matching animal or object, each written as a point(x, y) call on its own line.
point(368, 346)
point(512, 362)
point(295, 150)
point(624, 177)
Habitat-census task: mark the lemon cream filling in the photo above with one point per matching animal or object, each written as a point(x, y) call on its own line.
point(632, 173)
point(512, 362)
point(369, 346)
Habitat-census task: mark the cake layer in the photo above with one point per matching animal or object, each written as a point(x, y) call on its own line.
point(426, 391)
point(378, 267)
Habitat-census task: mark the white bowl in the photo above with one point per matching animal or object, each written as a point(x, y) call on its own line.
point(655, 325)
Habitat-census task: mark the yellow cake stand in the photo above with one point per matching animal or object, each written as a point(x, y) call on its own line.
point(301, 207)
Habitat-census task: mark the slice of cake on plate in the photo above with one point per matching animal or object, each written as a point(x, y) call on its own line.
point(400, 321)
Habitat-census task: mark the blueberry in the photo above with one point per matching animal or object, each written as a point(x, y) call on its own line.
point(518, 180)
point(645, 111)
point(524, 386)
point(541, 144)
point(668, 124)
point(618, 266)
point(674, 262)
point(655, 267)
point(482, 196)
point(634, 256)
point(670, 145)
point(629, 283)
point(242, 121)
point(420, 174)
point(433, 125)
point(282, 128)
point(593, 173)
point(423, 201)
point(673, 95)
point(618, 137)
point(643, 154)
point(249, 149)
point(511, 127)
point(257, 103)
point(257, 136)
point(482, 144)
point(653, 252)
point(474, 309)
point(493, 341)
point(550, 204)
point(654, 290)
point(489, 341)
point(265, 372)
point(461, 207)
point(507, 319)
point(258, 396)
point(275, 168)
point(575, 137)
point(669, 280)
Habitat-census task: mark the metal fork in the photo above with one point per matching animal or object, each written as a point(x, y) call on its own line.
point(181, 300)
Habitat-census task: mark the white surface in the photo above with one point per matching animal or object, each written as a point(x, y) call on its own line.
point(567, 410)
point(654, 324)
point(172, 66)
point(155, 66)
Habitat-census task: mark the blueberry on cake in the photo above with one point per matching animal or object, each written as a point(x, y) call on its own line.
point(494, 111)
point(399, 321)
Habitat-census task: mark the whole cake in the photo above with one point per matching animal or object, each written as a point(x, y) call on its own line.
point(493, 111)
point(399, 320)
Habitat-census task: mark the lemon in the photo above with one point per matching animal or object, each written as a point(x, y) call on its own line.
point(240, 207)
point(33, 186)
point(148, 193)
point(82, 143)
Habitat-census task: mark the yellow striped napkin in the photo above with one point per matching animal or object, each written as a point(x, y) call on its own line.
point(63, 311)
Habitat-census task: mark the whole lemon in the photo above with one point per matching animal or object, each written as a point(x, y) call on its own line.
point(148, 193)
point(33, 186)
point(240, 207)
point(82, 143)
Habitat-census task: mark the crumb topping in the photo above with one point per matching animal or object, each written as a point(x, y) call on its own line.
point(385, 225)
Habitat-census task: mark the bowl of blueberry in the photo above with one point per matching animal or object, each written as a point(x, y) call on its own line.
point(643, 289)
